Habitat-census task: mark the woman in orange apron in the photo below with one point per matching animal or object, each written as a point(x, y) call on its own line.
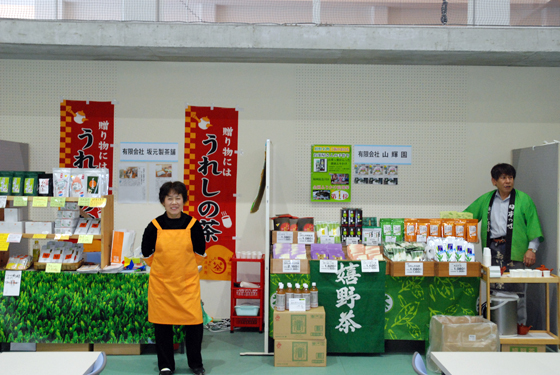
point(173, 244)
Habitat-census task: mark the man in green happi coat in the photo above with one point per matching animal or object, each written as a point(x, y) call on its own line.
point(510, 227)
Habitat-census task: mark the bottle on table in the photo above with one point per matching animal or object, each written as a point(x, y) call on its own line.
point(289, 295)
point(280, 298)
point(306, 295)
point(297, 291)
point(314, 292)
point(36, 251)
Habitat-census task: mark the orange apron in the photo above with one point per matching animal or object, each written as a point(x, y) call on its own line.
point(174, 286)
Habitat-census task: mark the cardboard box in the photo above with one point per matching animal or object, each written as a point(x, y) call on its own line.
point(473, 269)
point(300, 325)
point(119, 349)
point(13, 214)
point(11, 227)
point(525, 348)
point(39, 227)
point(300, 353)
point(277, 265)
point(461, 334)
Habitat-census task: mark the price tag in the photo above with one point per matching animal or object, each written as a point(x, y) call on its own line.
point(291, 266)
point(457, 269)
point(85, 238)
point(371, 241)
point(3, 200)
point(40, 236)
point(328, 266)
point(14, 237)
point(58, 201)
point(327, 239)
point(83, 201)
point(421, 238)
point(472, 337)
point(352, 240)
point(390, 239)
point(12, 283)
point(4, 246)
point(40, 202)
point(53, 268)
point(296, 304)
point(306, 237)
point(413, 269)
point(370, 265)
point(98, 202)
point(61, 237)
point(20, 201)
point(284, 237)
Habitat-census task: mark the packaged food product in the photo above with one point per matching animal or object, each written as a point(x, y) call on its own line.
point(460, 228)
point(386, 230)
point(422, 230)
point(78, 184)
point(61, 182)
point(435, 228)
point(45, 184)
point(471, 232)
point(448, 226)
point(410, 227)
point(31, 183)
point(17, 183)
point(6, 182)
point(398, 229)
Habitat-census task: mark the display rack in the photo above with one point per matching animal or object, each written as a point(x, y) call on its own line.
point(107, 223)
point(246, 293)
point(534, 337)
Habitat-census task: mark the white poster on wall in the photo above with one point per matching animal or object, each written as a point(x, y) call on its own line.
point(158, 174)
point(132, 183)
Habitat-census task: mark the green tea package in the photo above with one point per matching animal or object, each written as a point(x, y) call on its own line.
point(31, 183)
point(45, 188)
point(386, 230)
point(398, 229)
point(17, 183)
point(6, 182)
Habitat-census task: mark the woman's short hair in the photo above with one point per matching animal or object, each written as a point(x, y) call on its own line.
point(176, 186)
point(502, 168)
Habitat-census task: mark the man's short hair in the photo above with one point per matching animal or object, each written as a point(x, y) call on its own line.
point(502, 168)
point(176, 186)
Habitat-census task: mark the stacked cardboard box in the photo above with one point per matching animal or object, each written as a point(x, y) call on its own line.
point(299, 338)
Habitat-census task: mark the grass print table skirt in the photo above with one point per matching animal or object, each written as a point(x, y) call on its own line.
point(78, 308)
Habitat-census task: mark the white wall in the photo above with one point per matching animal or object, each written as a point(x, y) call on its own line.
point(459, 120)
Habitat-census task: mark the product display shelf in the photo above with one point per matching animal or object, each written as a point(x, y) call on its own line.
point(534, 337)
point(107, 223)
point(246, 293)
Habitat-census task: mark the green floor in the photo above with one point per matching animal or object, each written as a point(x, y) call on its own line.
point(221, 354)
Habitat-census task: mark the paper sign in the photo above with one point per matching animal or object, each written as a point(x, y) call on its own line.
point(457, 269)
point(14, 237)
point(40, 202)
point(371, 241)
point(3, 201)
point(12, 283)
point(413, 269)
point(390, 239)
point(306, 237)
point(98, 202)
point(421, 238)
point(58, 201)
point(53, 267)
point(328, 266)
point(296, 304)
point(327, 239)
point(4, 246)
point(39, 236)
point(284, 237)
point(472, 337)
point(61, 237)
point(370, 265)
point(85, 238)
point(83, 201)
point(291, 266)
point(20, 201)
point(352, 241)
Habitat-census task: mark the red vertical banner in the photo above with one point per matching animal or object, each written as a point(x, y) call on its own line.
point(86, 137)
point(211, 177)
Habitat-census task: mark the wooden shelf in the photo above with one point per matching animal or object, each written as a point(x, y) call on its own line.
point(30, 198)
point(532, 338)
point(52, 236)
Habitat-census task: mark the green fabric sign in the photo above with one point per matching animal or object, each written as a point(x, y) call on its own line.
point(353, 302)
point(75, 308)
point(410, 302)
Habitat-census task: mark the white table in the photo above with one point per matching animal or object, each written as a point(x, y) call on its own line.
point(495, 363)
point(47, 363)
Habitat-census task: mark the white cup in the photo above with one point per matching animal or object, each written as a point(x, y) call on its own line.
point(242, 255)
point(514, 273)
point(546, 273)
point(523, 273)
point(537, 273)
point(253, 255)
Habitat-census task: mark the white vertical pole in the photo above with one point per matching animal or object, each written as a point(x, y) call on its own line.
point(316, 12)
point(268, 173)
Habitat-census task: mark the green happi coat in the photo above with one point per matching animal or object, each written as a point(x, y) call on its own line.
point(526, 225)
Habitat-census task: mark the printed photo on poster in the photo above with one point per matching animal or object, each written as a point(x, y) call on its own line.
point(320, 165)
point(376, 174)
point(132, 183)
point(159, 174)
